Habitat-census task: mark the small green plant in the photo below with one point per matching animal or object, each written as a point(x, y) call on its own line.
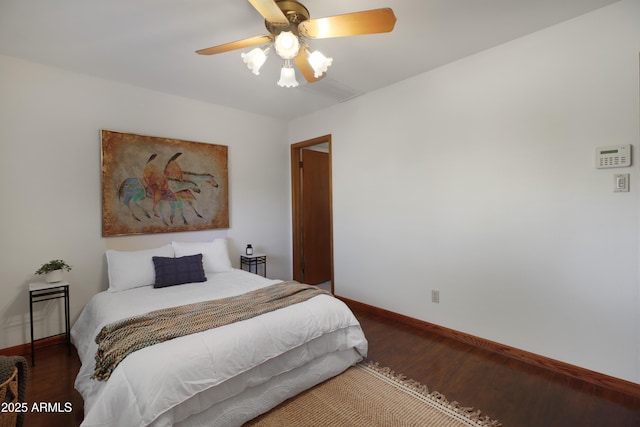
point(56, 264)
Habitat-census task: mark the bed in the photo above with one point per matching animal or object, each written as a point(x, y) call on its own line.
point(223, 376)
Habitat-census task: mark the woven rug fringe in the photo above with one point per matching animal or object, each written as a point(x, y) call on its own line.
point(421, 389)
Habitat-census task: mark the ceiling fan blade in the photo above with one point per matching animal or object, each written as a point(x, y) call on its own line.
point(350, 24)
point(302, 62)
point(270, 11)
point(239, 44)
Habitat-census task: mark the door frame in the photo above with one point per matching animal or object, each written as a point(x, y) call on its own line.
point(296, 203)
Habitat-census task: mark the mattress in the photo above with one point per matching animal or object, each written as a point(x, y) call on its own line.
point(222, 376)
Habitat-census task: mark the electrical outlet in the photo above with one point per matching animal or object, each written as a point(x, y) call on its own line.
point(435, 296)
point(621, 182)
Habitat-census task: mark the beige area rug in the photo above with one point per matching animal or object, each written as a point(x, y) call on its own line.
point(367, 395)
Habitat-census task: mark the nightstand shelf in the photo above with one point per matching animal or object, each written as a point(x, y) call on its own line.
point(253, 261)
point(39, 292)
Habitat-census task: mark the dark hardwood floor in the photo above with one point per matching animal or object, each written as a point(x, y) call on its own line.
point(515, 393)
point(51, 381)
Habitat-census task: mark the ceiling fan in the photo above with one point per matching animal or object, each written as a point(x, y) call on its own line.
point(290, 28)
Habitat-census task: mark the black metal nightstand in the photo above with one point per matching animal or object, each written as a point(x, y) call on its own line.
point(253, 261)
point(41, 291)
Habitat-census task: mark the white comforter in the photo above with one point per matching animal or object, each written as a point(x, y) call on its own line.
point(171, 383)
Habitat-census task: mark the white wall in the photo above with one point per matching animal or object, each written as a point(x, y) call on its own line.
point(477, 179)
point(50, 181)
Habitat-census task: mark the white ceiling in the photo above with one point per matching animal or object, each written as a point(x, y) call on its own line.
point(152, 43)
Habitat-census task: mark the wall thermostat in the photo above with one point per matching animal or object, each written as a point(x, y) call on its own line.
point(613, 156)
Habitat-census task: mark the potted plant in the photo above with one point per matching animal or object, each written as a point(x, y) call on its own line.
point(53, 270)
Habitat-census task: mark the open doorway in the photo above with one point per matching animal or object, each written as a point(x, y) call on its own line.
point(311, 190)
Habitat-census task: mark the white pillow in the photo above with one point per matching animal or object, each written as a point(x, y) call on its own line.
point(133, 269)
point(215, 256)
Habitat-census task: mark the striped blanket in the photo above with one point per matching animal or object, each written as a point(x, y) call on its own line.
point(117, 340)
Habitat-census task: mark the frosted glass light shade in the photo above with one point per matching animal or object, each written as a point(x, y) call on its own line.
point(287, 77)
point(255, 59)
point(319, 63)
point(287, 45)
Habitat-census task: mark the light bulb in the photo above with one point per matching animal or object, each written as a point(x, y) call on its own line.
point(287, 45)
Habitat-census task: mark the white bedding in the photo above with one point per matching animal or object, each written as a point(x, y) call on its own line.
point(223, 376)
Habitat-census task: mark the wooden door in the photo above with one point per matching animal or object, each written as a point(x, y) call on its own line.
point(316, 217)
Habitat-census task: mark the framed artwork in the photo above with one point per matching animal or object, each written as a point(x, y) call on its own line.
point(162, 185)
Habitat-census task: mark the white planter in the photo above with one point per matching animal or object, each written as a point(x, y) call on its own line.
point(53, 276)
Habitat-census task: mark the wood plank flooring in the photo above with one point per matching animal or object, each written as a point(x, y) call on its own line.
point(513, 392)
point(51, 381)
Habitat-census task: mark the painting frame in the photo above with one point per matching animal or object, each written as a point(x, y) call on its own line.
point(162, 185)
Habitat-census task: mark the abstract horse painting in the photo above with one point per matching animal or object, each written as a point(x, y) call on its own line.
point(147, 182)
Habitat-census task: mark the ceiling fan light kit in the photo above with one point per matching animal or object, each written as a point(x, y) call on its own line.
point(290, 26)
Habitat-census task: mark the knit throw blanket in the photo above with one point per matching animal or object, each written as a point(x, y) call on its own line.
point(117, 340)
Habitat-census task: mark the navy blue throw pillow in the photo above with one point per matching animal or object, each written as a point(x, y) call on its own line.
point(177, 271)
